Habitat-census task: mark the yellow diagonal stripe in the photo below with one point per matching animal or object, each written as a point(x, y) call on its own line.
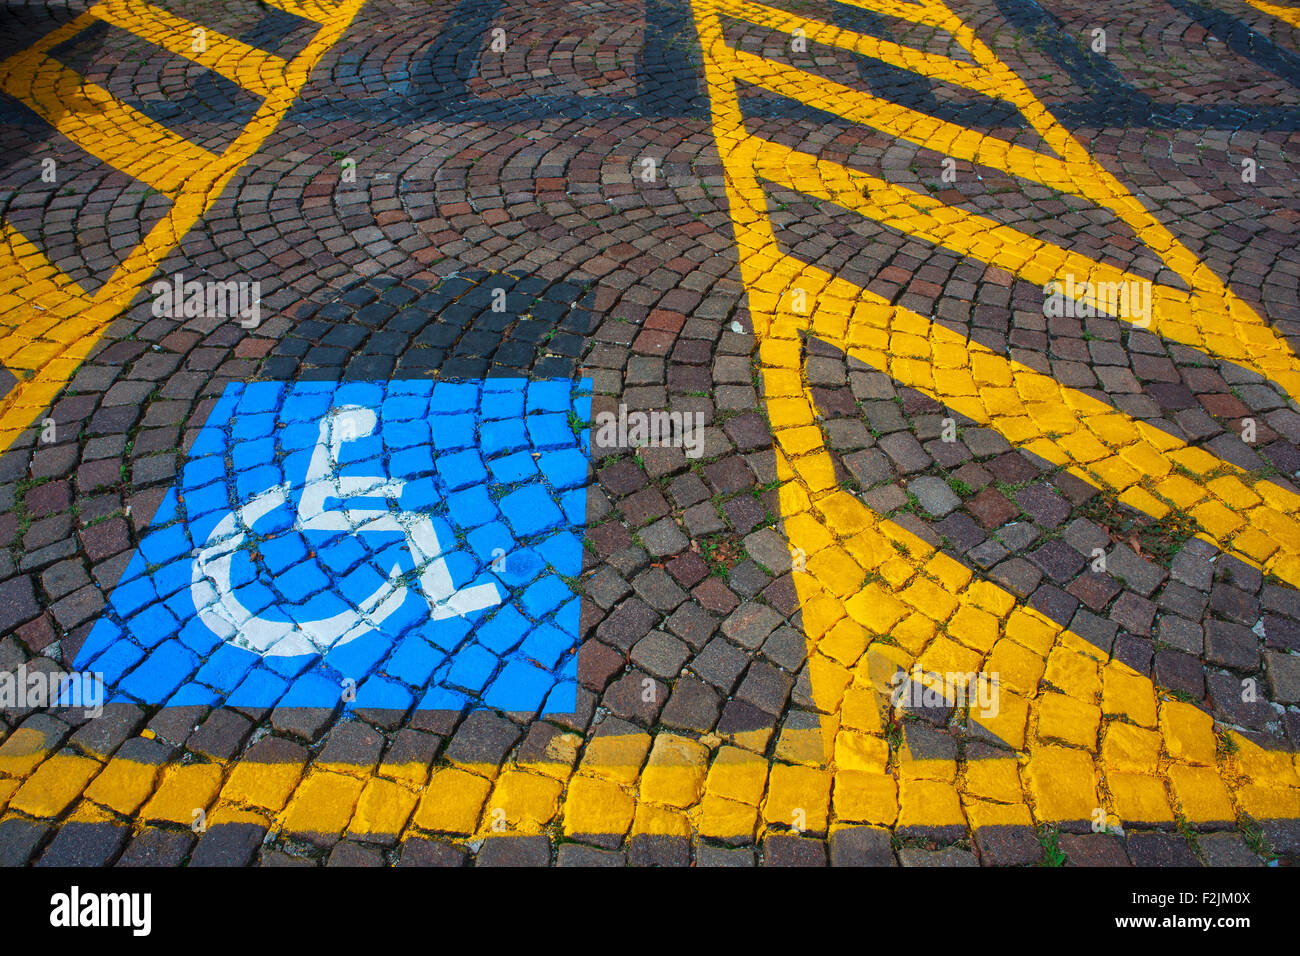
point(919, 128)
point(255, 70)
point(69, 342)
point(1025, 256)
point(936, 615)
point(1094, 735)
point(320, 11)
point(1212, 318)
point(101, 124)
point(928, 64)
point(1067, 427)
point(36, 299)
point(910, 12)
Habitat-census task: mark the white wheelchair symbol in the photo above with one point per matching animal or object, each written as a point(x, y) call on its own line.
point(211, 583)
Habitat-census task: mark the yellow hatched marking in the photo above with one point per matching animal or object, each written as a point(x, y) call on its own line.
point(1290, 14)
point(819, 518)
point(1211, 318)
point(902, 11)
point(320, 11)
point(970, 234)
point(1093, 440)
point(877, 543)
point(69, 342)
point(915, 127)
point(255, 70)
point(1233, 330)
point(101, 124)
point(929, 64)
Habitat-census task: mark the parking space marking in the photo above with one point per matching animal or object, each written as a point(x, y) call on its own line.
point(1211, 317)
point(102, 125)
point(46, 353)
point(865, 575)
point(255, 70)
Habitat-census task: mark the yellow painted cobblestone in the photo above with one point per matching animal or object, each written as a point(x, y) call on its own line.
point(55, 785)
point(323, 803)
point(452, 802)
point(184, 789)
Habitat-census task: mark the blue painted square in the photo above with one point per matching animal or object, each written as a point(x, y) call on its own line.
point(408, 540)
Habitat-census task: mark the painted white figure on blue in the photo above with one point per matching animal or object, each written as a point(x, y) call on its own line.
point(414, 539)
point(214, 592)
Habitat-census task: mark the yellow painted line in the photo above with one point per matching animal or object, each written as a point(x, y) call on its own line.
point(68, 343)
point(1223, 329)
point(935, 614)
point(918, 128)
point(320, 11)
point(928, 64)
point(1121, 455)
point(1275, 547)
point(1151, 753)
point(1211, 318)
point(1151, 470)
point(866, 577)
point(56, 36)
point(968, 234)
point(255, 70)
point(101, 124)
point(1290, 14)
point(37, 299)
point(910, 12)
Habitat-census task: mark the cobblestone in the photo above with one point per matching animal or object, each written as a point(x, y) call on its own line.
point(893, 448)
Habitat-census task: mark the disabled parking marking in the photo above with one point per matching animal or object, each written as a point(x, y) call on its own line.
point(50, 323)
point(928, 603)
point(411, 539)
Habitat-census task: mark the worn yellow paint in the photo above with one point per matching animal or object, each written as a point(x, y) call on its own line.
point(452, 802)
point(23, 751)
point(185, 789)
point(382, 809)
point(320, 11)
point(55, 785)
point(970, 76)
point(323, 804)
point(911, 12)
point(124, 785)
point(523, 802)
point(264, 785)
point(101, 124)
point(54, 325)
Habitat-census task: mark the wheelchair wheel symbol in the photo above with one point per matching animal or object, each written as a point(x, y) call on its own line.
point(211, 584)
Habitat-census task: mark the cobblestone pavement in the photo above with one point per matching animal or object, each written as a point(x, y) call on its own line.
point(977, 543)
